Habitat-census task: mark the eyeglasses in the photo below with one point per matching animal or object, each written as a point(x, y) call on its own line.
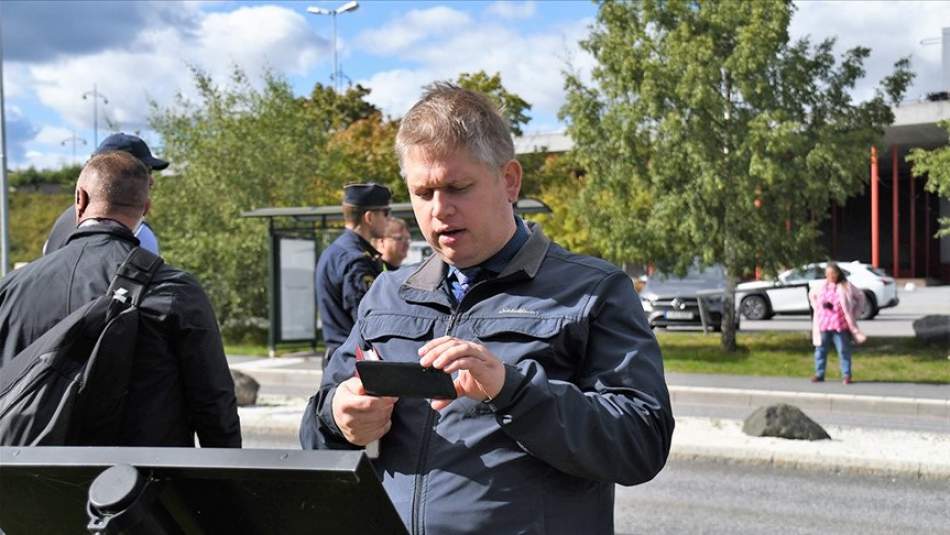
point(385, 211)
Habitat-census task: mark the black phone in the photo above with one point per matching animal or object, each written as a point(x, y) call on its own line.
point(404, 379)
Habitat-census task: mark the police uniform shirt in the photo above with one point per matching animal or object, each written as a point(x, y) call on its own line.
point(346, 270)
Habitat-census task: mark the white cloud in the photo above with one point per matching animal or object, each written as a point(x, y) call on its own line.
point(53, 135)
point(45, 160)
point(254, 38)
point(531, 64)
point(411, 29)
point(512, 10)
point(891, 30)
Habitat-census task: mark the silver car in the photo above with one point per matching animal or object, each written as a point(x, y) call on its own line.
point(788, 294)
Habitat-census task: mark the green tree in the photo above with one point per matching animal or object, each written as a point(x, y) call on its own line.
point(235, 149)
point(32, 177)
point(336, 111)
point(363, 152)
point(706, 129)
point(513, 107)
point(935, 166)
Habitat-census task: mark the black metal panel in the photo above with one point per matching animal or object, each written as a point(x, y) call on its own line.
point(44, 490)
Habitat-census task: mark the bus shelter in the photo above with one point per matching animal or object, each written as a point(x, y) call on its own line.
point(297, 235)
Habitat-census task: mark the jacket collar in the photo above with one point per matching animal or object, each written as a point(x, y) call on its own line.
point(424, 284)
point(352, 236)
point(106, 228)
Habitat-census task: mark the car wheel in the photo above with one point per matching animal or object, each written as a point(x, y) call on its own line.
point(870, 309)
point(755, 307)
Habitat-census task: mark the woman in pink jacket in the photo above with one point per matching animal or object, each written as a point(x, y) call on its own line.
point(836, 303)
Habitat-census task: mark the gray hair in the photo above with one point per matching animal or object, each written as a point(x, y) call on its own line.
point(448, 118)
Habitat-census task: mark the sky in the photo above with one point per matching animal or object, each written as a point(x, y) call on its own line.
point(55, 53)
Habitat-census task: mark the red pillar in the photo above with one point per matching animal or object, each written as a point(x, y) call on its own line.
point(875, 223)
point(927, 239)
point(913, 228)
point(895, 221)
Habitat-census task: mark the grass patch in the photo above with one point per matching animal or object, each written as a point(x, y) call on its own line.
point(260, 350)
point(885, 359)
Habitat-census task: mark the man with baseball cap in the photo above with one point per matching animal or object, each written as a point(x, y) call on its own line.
point(66, 223)
point(350, 264)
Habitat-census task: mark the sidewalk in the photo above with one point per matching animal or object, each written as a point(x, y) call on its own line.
point(908, 399)
point(851, 449)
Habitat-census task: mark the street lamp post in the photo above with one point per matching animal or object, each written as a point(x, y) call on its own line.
point(4, 229)
point(73, 139)
point(352, 5)
point(96, 95)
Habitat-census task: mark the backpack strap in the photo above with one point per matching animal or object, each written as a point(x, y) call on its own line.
point(133, 276)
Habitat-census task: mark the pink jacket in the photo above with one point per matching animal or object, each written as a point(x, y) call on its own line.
point(852, 300)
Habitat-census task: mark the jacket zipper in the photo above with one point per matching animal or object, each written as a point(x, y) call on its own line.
point(418, 522)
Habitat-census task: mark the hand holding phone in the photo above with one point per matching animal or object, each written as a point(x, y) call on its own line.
point(404, 380)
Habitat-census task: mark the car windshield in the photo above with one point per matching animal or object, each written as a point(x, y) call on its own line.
point(696, 274)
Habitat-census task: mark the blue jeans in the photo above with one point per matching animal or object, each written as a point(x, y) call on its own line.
point(842, 341)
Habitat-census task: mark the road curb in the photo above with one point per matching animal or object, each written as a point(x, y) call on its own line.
point(809, 462)
point(840, 403)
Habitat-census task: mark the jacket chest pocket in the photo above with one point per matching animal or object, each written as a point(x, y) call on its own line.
point(514, 339)
point(396, 337)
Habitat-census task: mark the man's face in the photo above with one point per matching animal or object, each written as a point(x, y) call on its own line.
point(395, 246)
point(463, 207)
point(377, 223)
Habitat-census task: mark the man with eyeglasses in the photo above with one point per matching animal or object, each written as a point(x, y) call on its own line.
point(394, 246)
point(350, 264)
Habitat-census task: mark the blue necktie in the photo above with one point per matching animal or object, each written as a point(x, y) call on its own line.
point(462, 283)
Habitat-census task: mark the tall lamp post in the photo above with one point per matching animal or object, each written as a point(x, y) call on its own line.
point(96, 95)
point(4, 228)
point(73, 139)
point(352, 5)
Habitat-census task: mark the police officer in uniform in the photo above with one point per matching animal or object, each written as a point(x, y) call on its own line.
point(350, 264)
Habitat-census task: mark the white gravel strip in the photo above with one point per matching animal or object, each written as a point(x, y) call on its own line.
point(851, 449)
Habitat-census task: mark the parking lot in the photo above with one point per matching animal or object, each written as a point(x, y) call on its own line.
point(896, 321)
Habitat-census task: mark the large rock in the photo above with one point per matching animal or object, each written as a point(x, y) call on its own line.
point(783, 421)
point(933, 329)
point(245, 388)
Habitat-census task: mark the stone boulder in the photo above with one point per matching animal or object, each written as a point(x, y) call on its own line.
point(783, 421)
point(933, 329)
point(245, 388)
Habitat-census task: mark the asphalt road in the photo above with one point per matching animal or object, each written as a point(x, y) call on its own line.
point(896, 321)
point(718, 497)
point(708, 497)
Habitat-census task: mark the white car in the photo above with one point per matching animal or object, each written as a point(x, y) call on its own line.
point(759, 300)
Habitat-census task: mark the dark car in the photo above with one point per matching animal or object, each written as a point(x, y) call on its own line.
point(672, 301)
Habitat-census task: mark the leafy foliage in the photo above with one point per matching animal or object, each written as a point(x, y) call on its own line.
point(935, 166)
point(32, 215)
point(513, 107)
point(706, 130)
point(240, 148)
point(64, 176)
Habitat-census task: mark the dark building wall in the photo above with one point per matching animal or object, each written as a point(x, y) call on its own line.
point(847, 229)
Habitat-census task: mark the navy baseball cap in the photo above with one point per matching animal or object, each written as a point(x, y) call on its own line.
point(367, 196)
point(134, 146)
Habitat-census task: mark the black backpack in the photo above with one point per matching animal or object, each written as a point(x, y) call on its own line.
point(68, 387)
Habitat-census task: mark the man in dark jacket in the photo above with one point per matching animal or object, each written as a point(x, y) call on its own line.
point(560, 380)
point(350, 264)
point(180, 384)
